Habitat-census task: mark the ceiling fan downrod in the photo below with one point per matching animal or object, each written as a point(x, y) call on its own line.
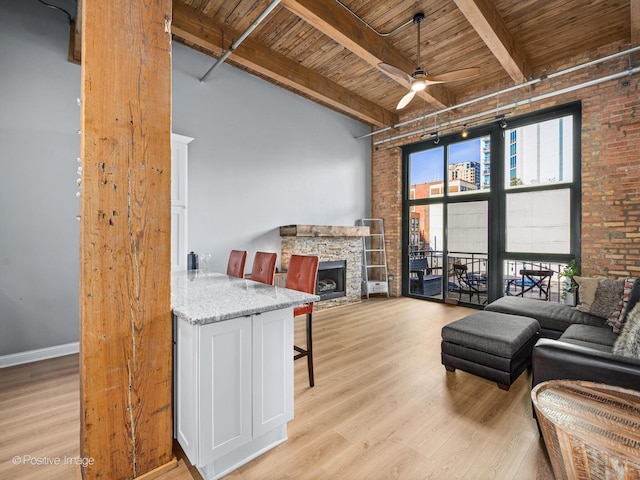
point(418, 18)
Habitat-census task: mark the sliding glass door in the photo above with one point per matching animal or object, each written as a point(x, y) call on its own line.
point(446, 218)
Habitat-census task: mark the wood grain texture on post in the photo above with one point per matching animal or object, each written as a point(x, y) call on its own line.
point(125, 303)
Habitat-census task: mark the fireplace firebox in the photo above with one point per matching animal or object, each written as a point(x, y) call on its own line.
point(332, 279)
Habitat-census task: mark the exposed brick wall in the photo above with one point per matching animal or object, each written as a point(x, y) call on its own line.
point(610, 165)
point(611, 179)
point(386, 203)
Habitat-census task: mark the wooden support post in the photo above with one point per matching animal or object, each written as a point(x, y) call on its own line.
point(125, 299)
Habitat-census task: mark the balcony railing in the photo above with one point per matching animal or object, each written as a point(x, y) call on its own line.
point(467, 277)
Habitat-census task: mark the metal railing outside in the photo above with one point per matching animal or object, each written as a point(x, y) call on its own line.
point(540, 280)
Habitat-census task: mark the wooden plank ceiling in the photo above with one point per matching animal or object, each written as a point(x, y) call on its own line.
point(323, 51)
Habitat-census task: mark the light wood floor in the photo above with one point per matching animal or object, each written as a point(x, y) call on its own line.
point(383, 408)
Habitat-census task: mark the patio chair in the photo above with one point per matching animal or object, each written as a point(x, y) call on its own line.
point(469, 283)
point(539, 279)
point(419, 267)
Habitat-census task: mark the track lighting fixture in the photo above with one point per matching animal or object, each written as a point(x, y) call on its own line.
point(465, 131)
point(503, 122)
point(435, 136)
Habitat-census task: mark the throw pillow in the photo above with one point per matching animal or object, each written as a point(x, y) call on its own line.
point(628, 343)
point(616, 319)
point(634, 297)
point(586, 292)
point(606, 296)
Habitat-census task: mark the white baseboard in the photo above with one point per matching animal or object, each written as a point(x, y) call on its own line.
point(39, 354)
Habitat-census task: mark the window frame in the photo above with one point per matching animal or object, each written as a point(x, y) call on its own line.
point(497, 194)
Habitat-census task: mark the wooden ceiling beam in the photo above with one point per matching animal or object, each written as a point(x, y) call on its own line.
point(75, 36)
point(339, 25)
point(194, 26)
point(489, 24)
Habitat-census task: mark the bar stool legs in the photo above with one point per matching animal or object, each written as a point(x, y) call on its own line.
point(302, 276)
point(309, 350)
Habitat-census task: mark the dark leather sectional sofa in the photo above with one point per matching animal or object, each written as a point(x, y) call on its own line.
point(573, 345)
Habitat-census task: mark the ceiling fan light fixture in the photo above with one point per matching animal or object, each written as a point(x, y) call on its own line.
point(418, 80)
point(418, 85)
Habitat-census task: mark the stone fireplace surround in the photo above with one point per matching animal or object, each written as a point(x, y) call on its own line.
point(329, 243)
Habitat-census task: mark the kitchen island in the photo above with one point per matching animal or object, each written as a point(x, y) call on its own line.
point(233, 381)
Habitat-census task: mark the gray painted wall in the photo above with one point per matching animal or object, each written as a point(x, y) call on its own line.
point(38, 205)
point(262, 157)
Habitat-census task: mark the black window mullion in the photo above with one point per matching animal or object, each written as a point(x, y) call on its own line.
point(496, 197)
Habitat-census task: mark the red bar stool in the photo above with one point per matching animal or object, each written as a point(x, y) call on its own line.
point(235, 267)
point(302, 276)
point(264, 267)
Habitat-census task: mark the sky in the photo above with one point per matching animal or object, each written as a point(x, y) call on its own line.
point(427, 166)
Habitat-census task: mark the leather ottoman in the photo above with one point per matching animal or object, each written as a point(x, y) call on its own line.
point(495, 346)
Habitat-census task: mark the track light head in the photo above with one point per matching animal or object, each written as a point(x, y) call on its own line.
point(435, 136)
point(465, 131)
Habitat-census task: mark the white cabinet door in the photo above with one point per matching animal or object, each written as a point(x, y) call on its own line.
point(234, 387)
point(186, 388)
point(225, 388)
point(272, 370)
point(179, 156)
point(179, 187)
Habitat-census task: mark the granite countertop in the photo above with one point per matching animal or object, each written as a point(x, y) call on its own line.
point(200, 298)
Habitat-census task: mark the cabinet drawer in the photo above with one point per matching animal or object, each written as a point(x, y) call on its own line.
point(377, 287)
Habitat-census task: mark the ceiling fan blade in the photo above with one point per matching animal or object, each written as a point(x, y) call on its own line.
point(453, 76)
point(396, 72)
point(404, 101)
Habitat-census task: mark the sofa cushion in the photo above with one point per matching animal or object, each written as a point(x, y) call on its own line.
point(589, 336)
point(550, 315)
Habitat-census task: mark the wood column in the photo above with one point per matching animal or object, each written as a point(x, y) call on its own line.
point(125, 299)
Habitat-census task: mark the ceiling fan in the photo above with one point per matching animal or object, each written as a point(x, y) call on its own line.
point(418, 80)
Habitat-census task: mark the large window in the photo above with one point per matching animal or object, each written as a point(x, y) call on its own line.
point(480, 211)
